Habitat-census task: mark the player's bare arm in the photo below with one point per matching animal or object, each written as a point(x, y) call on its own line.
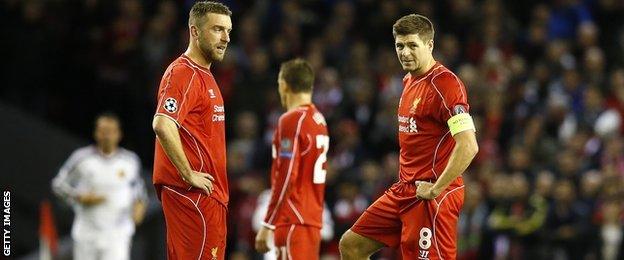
point(90, 199)
point(262, 239)
point(139, 206)
point(466, 148)
point(167, 133)
point(138, 211)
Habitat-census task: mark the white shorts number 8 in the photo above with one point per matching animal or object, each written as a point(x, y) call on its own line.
point(425, 238)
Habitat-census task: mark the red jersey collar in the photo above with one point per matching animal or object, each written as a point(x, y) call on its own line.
point(308, 105)
point(194, 63)
point(411, 79)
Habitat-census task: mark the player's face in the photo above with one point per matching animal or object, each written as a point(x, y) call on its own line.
point(413, 53)
point(107, 132)
point(213, 35)
point(282, 88)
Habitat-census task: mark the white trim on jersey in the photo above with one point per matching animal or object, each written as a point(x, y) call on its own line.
point(461, 84)
point(168, 116)
point(199, 154)
point(435, 154)
point(292, 228)
point(188, 87)
point(436, 216)
point(290, 168)
point(168, 86)
point(201, 252)
point(433, 70)
point(439, 93)
point(294, 209)
point(309, 145)
point(190, 63)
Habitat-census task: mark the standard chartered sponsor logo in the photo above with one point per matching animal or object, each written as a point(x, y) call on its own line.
point(218, 118)
point(407, 124)
point(413, 128)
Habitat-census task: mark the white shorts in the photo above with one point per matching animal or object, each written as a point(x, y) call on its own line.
point(114, 249)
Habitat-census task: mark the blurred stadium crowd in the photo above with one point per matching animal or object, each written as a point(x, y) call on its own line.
point(545, 83)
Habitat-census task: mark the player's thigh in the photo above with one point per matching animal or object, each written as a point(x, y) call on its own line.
point(195, 224)
point(117, 249)
point(430, 227)
point(306, 239)
point(215, 215)
point(85, 250)
point(379, 223)
point(296, 242)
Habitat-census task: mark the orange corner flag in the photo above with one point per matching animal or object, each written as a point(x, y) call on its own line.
point(48, 239)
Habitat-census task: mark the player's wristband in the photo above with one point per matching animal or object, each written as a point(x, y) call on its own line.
point(269, 226)
point(460, 122)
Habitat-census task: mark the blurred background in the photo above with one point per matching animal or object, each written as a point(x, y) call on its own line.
point(545, 82)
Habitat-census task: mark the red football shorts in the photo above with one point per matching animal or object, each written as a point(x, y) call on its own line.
point(426, 229)
point(196, 224)
point(298, 242)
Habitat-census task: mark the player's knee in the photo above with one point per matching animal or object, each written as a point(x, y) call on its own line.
point(346, 251)
point(349, 248)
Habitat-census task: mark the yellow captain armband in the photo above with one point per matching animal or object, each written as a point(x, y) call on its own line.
point(460, 122)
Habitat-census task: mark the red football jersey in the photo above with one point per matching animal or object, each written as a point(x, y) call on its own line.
point(299, 152)
point(189, 95)
point(425, 140)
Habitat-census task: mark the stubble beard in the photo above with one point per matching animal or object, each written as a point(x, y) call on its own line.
point(210, 52)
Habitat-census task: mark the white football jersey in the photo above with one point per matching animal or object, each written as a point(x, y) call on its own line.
point(116, 177)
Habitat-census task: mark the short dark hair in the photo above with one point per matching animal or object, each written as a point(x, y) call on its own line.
point(201, 8)
point(414, 24)
point(108, 115)
point(298, 74)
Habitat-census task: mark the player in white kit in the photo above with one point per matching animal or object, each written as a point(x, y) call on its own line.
point(102, 183)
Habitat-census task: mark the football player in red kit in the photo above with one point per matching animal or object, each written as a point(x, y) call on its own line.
point(189, 160)
point(437, 142)
point(300, 145)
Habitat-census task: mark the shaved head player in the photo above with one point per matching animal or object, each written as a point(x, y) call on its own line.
point(437, 142)
point(189, 161)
